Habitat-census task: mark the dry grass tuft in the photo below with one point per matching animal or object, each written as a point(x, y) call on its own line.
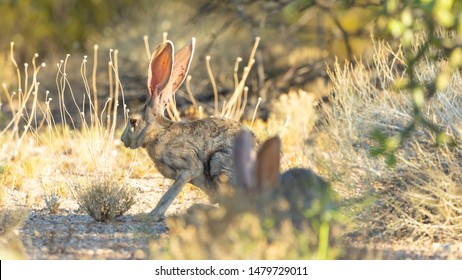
point(52, 202)
point(103, 199)
point(294, 118)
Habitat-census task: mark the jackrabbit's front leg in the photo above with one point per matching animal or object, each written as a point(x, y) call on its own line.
point(158, 213)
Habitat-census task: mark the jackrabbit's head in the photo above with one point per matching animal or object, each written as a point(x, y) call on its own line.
point(166, 73)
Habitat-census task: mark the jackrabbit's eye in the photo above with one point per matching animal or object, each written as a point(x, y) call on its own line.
point(134, 122)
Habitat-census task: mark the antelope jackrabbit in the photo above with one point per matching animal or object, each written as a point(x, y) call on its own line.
point(198, 152)
point(269, 217)
point(259, 175)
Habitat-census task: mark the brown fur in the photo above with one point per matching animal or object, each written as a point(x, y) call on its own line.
point(299, 187)
point(201, 148)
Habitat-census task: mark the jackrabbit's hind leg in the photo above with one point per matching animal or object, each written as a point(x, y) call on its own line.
point(221, 174)
point(167, 199)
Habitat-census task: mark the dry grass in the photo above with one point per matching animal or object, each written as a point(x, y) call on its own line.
point(103, 199)
point(420, 199)
point(60, 150)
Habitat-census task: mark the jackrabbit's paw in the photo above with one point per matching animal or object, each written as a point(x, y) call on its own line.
point(156, 217)
point(147, 217)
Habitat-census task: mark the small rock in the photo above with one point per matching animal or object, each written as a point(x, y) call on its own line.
point(139, 254)
point(90, 252)
point(102, 253)
point(446, 247)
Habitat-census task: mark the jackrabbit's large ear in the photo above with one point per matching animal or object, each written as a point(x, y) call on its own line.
point(267, 164)
point(180, 69)
point(244, 159)
point(160, 71)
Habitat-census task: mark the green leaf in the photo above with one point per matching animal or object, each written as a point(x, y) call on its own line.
point(401, 83)
point(391, 160)
point(443, 138)
point(391, 6)
point(406, 17)
point(396, 27)
point(455, 59)
point(379, 136)
point(444, 17)
point(392, 143)
point(444, 79)
point(418, 96)
point(375, 152)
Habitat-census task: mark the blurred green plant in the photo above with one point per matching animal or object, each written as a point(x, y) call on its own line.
point(427, 30)
point(46, 26)
point(254, 228)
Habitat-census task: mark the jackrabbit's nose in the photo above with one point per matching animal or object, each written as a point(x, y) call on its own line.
point(126, 144)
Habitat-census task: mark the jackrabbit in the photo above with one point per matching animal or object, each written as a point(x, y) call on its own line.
point(199, 151)
point(270, 215)
point(259, 175)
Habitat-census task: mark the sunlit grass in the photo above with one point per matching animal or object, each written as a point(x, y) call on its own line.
point(419, 199)
point(60, 149)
